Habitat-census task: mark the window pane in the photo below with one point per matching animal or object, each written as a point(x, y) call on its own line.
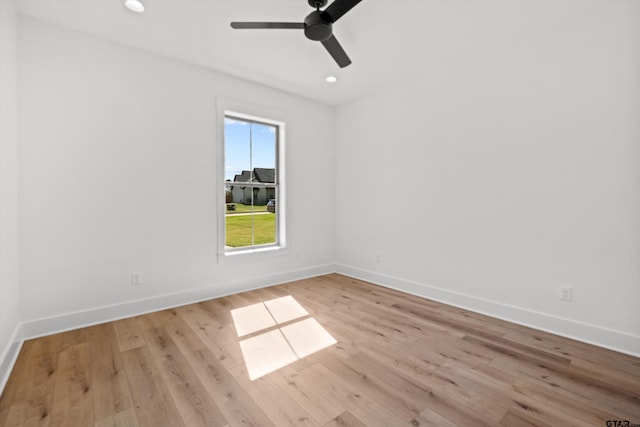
point(263, 144)
point(247, 225)
point(238, 223)
point(237, 150)
point(264, 228)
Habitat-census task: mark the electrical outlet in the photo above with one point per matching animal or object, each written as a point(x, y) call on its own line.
point(566, 293)
point(136, 279)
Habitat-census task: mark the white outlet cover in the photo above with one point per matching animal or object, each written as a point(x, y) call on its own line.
point(566, 293)
point(136, 279)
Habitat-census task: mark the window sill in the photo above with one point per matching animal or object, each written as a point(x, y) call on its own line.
point(254, 253)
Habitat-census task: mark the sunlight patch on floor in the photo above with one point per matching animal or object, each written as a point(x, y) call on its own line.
point(266, 353)
point(307, 336)
point(277, 347)
point(285, 309)
point(251, 319)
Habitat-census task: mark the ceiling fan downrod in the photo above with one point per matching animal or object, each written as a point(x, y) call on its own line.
point(317, 4)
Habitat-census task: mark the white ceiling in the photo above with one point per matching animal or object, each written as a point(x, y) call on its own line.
point(386, 39)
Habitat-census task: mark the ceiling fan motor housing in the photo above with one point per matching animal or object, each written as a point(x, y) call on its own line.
point(318, 3)
point(317, 27)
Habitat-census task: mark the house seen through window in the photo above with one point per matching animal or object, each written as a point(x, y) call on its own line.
point(251, 183)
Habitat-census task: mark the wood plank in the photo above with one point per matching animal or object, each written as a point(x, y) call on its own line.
point(217, 313)
point(497, 393)
point(128, 333)
point(110, 385)
point(234, 402)
point(345, 419)
point(73, 396)
point(577, 351)
point(518, 351)
point(589, 394)
point(321, 408)
point(366, 409)
point(563, 403)
point(194, 403)
point(33, 398)
point(73, 337)
point(281, 409)
point(180, 332)
point(121, 419)
point(221, 340)
point(7, 397)
point(398, 394)
point(430, 418)
point(517, 419)
point(153, 403)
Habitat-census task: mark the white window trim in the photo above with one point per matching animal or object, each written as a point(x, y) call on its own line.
point(255, 113)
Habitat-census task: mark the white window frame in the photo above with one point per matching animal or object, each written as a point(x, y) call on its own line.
point(244, 111)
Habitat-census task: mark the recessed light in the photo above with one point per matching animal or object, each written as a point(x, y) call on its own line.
point(331, 79)
point(134, 5)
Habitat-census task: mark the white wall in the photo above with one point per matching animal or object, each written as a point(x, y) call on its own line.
point(487, 181)
point(9, 267)
point(118, 174)
point(494, 178)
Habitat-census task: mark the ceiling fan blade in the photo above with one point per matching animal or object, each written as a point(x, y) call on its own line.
point(336, 51)
point(339, 8)
point(262, 25)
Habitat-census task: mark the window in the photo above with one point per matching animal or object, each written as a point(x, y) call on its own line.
point(253, 191)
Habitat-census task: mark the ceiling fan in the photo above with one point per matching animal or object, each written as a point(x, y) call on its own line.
point(317, 26)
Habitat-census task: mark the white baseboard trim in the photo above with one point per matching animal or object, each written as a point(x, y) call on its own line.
point(580, 331)
point(74, 320)
point(10, 355)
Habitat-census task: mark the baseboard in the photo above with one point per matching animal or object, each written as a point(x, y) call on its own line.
point(9, 355)
point(588, 333)
point(68, 321)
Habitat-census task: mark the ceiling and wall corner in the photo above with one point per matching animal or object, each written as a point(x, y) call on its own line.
point(466, 134)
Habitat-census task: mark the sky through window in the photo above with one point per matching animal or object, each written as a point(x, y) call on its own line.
point(247, 146)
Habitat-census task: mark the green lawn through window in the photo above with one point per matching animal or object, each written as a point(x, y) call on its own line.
point(240, 208)
point(238, 229)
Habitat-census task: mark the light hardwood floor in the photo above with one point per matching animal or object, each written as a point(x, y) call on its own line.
point(400, 360)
